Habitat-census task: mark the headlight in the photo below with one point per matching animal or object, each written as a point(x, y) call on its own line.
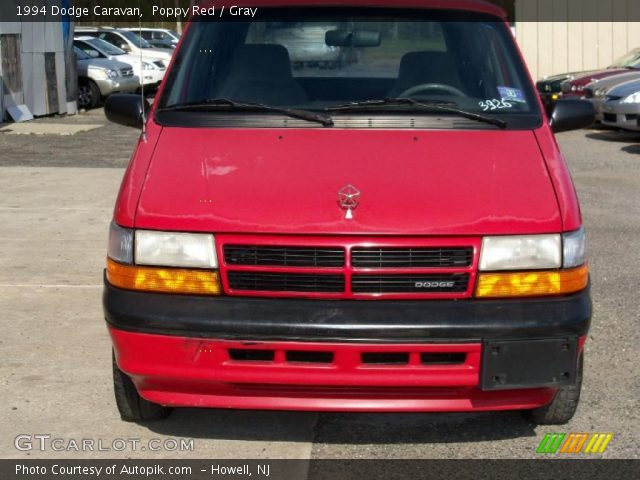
point(147, 66)
point(99, 73)
point(196, 252)
point(112, 73)
point(599, 92)
point(521, 252)
point(573, 249)
point(537, 259)
point(120, 244)
point(173, 249)
point(633, 98)
point(574, 88)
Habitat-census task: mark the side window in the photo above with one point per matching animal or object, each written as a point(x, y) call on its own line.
point(112, 38)
point(92, 52)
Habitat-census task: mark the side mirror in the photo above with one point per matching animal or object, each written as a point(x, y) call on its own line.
point(126, 109)
point(572, 115)
point(92, 53)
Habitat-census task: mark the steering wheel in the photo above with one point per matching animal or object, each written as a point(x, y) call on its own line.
point(432, 86)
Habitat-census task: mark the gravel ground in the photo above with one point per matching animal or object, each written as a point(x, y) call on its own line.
point(41, 200)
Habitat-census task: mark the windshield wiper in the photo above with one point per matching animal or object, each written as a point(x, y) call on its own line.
point(430, 105)
point(227, 104)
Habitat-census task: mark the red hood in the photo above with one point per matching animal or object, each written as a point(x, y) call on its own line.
point(287, 181)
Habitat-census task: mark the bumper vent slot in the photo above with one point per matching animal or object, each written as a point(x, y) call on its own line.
point(303, 356)
point(385, 358)
point(285, 282)
point(442, 358)
point(412, 257)
point(249, 355)
point(283, 256)
point(446, 283)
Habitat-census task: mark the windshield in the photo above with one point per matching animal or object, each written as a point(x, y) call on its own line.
point(333, 60)
point(631, 59)
point(135, 39)
point(80, 55)
point(105, 47)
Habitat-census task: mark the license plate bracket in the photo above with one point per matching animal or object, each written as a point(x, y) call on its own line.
point(512, 364)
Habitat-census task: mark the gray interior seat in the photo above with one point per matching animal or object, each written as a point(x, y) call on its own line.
point(262, 74)
point(426, 67)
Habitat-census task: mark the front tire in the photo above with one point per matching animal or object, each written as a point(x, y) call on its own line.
point(88, 94)
point(132, 407)
point(563, 406)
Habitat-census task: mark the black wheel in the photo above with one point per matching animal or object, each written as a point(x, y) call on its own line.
point(132, 407)
point(88, 94)
point(563, 406)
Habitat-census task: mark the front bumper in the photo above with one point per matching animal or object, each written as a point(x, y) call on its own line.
point(464, 355)
point(118, 85)
point(152, 78)
point(616, 114)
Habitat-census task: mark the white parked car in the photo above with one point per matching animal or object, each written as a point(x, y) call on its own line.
point(129, 42)
point(149, 72)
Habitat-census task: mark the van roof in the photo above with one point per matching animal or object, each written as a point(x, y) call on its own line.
point(463, 5)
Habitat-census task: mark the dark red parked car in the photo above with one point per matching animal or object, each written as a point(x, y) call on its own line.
point(574, 86)
point(399, 233)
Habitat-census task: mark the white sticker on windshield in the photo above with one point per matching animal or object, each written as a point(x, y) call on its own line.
point(494, 104)
point(511, 94)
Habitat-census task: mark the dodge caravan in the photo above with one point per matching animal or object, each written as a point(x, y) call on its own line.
point(398, 233)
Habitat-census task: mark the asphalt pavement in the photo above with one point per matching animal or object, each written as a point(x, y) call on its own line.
point(56, 200)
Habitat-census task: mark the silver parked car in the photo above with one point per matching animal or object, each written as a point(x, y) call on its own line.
point(150, 73)
point(99, 77)
point(621, 106)
point(595, 91)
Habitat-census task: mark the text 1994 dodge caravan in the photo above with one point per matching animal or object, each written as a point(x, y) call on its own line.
point(391, 230)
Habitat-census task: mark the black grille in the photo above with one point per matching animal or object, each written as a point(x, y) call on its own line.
point(411, 257)
point(126, 72)
point(450, 283)
point(610, 117)
point(285, 282)
point(283, 256)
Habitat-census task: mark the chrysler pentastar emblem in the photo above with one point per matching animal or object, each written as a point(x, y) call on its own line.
point(348, 199)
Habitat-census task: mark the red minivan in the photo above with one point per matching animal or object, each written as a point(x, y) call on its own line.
point(396, 231)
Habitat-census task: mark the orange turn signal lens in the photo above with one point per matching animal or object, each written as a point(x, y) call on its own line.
point(165, 280)
point(532, 284)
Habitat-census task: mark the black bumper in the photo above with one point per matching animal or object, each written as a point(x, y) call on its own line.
point(344, 320)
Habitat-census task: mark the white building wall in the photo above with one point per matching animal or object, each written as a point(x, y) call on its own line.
point(565, 46)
